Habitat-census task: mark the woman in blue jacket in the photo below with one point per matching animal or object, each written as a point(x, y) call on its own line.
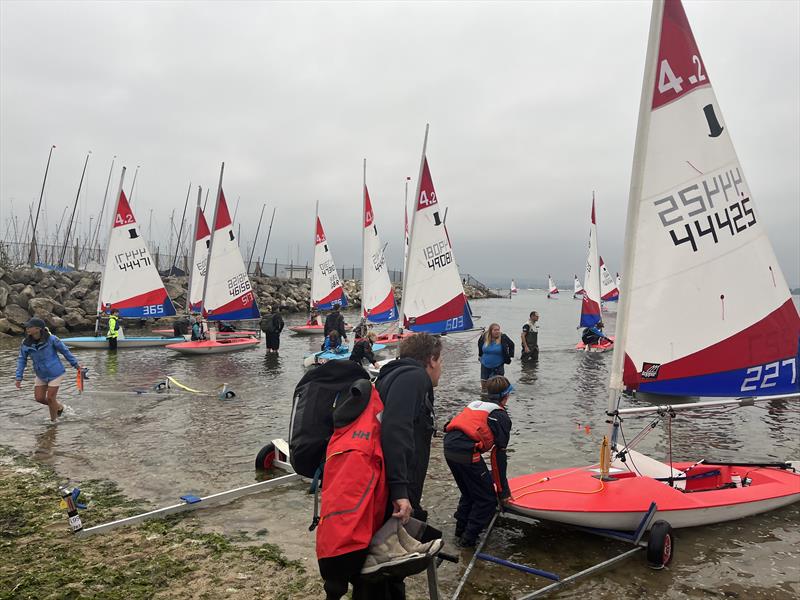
point(495, 350)
point(43, 347)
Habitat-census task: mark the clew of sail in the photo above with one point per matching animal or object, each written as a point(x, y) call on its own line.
point(590, 304)
point(433, 295)
point(699, 267)
point(608, 289)
point(326, 287)
point(228, 291)
point(377, 295)
point(131, 282)
point(201, 243)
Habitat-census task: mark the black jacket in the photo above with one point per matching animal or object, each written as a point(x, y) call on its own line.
point(407, 427)
point(505, 342)
point(335, 320)
point(362, 350)
point(272, 323)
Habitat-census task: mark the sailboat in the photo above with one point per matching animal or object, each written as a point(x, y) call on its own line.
point(513, 288)
point(227, 291)
point(433, 293)
point(608, 289)
point(326, 287)
point(732, 329)
point(618, 282)
point(590, 303)
point(578, 289)
point(552, 288)
point(130, 282)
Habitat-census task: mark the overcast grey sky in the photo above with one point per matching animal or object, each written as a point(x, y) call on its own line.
point(531, 105)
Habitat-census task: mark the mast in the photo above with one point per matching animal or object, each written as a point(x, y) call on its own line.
point(33, 251)
point(180, 231)
point(634, 200)
point(72, 216)
point(110, 229)
point(255, 241)
point(363, 238)
point(96, 237)
point(413, 220)
point(211, 242)
point(313, 258)
point(191, 262)
point(405, 227)
point(133, 186)
point(269, 233)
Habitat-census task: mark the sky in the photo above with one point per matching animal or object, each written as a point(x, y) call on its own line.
point(532, 108)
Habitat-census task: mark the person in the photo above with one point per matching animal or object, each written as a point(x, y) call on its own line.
point(43, 348)
point(181, 327)
point(225, 327)
point(272, 325)
point(113, 329)
point(363, 349)
point(406, 388)
point(335, 320)
point(592, 335)
point(314, 319)
point(198, 334)
point(481, 427)
point(495, 349)
point(333, 343)
point(361, 329)
point(530, 337)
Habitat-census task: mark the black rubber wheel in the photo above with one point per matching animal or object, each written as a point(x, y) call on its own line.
point(660, 545)
point(265, 457)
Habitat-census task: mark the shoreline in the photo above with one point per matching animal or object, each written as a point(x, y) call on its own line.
point(67, 302)
point(169, 558)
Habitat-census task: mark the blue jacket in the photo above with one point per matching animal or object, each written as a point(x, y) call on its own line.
point(44, 354)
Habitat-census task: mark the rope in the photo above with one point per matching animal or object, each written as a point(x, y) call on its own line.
point(598, 490)
point(545, 479)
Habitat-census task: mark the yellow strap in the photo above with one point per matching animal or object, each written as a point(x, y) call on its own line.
point(183, 387)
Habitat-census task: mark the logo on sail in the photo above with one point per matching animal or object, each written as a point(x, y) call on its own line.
point(650, 370)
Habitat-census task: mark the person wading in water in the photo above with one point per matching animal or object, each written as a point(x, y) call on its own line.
point(113, 329)
point(43, 348)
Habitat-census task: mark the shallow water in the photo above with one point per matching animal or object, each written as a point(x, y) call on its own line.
point(159, 447)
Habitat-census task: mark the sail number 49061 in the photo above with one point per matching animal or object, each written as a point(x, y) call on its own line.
point(765, 376)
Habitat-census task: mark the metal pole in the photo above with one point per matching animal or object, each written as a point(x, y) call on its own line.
point(72, 216)
point(96, 236)
point(32, 255)
point(180, 232)
point(255, 241)
point(133, 187)
point(211, 243)
point(269, 233)
point(363, 238)
point(474, 557)
point(236, 210)
point(194, 243)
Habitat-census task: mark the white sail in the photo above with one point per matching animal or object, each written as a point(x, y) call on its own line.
point(326, 287)
point(377, 295)
point(201, 243)
point(590, 306)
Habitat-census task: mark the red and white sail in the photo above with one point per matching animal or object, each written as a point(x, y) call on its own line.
point(552, 288)
point(326, 287)
point(377, 295)
point(590, 305)
point(433, 298)
point(228, 291)
point(578, 288)
point(201, 243)
point(700, 269)
point(514, 289)
point(608, 288)
point(130, 281)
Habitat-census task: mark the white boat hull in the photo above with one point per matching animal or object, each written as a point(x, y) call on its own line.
point(101, 343)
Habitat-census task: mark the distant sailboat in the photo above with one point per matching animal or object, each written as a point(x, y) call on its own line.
point(608, 289)
point(578, 289)
point(514, 289)
point(552, 288)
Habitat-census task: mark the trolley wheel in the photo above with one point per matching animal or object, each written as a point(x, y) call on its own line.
point(265, 457)
point(660, 545)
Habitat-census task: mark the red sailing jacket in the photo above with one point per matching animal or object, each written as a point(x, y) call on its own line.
point(354, 493)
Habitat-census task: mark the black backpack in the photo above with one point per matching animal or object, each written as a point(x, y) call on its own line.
point(311, 424)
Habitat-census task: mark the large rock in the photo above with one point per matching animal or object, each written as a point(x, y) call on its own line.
point(16, 314)
point(18, 299)
point(10, 328)
point(3, 297)
point(28, 291)
point(76, 321)
point(89, 306)
point(72, 303)
point(41, 305)
point(54, 323)
point(28, 275)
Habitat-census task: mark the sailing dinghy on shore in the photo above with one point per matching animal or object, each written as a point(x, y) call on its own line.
point(706, 267)
point(130, 283)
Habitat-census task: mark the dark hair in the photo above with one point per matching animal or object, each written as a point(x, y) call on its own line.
point(422, 347)
point(533, 312)
point(496, 386)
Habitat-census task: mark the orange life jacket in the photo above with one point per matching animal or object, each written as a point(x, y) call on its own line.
point(473, 422)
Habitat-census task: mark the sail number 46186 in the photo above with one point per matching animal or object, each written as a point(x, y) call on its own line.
point(765, 376)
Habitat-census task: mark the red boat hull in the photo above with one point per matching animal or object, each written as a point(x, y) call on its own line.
point(577, 497)
point(215, 347)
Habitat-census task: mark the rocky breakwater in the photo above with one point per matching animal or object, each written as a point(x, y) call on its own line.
point(67, 302)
